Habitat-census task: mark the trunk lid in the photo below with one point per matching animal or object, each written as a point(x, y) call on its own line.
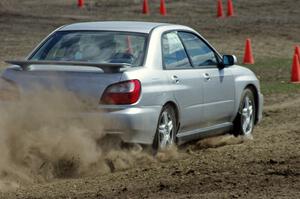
point(87, 83)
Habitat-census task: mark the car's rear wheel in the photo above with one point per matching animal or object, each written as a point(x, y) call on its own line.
point(244, 121)
point(166, 129)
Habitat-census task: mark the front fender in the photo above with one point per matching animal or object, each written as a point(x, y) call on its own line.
point(246, 78)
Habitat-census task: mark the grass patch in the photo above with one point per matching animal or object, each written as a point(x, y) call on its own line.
point(274, 75)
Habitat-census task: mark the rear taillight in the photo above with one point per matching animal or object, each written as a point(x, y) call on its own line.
point(127, 92)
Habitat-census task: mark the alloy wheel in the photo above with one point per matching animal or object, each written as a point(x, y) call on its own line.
point(166, 130)
point(247, 116)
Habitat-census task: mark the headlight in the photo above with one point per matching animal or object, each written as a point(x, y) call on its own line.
point(8, 90)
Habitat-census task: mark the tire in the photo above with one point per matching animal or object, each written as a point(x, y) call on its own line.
point(244, 121)
point(166, 130)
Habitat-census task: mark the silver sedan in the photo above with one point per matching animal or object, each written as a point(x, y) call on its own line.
point(152, 83)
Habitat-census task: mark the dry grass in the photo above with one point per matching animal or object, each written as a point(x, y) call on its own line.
point(4, 5)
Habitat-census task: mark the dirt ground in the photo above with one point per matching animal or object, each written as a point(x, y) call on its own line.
point(223, 167)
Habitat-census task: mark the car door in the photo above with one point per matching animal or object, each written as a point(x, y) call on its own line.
point(218, 83)
point(184, 82)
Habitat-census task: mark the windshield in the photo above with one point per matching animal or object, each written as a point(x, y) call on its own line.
point(96, 47)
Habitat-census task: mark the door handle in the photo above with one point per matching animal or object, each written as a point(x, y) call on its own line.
point(206, 76)
point(175, 79)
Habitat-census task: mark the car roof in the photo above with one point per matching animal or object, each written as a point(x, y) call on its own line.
point(124, 26)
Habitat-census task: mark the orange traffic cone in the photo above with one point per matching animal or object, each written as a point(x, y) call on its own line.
point(295, 73)
point(230, 12)
point(163, 10)
point(80, 3)
point(145, 7)
point(248, 57)
point(219, 9)
point(297, 51)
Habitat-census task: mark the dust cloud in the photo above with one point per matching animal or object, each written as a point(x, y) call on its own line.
point(41, 139)
point(222, 140)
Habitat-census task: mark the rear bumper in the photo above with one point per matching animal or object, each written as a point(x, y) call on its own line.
point(133, 125)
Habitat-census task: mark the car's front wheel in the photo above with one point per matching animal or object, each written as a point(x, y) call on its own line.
point(244, 121)
point(166, 129)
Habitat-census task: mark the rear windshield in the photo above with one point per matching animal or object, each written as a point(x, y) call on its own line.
point(96, 47)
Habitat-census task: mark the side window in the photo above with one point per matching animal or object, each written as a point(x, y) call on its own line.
point(199, 52)
point(174, 55)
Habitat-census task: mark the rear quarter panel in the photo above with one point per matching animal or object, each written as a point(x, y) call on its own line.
point(155, 87)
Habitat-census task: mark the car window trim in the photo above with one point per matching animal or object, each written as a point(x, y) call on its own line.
point(185, 49)
point(162, 57)
point(203, 39)
point(216, 54)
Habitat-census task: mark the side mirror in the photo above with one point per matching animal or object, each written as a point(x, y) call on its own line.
point(229, 60)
